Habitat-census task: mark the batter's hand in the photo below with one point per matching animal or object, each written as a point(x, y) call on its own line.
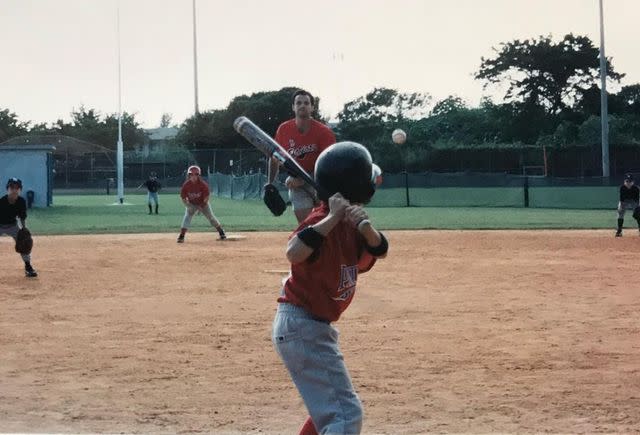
point(355, 214)
point(338, 205)
point(293, 182)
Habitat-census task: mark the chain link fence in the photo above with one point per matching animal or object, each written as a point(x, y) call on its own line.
point(96, 169)
point(457, 190)
point(240, 174)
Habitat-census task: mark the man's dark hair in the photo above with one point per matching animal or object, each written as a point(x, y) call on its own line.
point(303, 92)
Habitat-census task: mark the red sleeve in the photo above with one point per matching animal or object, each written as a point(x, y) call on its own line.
point(328, 139)
point(279, 133)
point(313, 218)
point(366, 260)
point(183, 191)
point(204, 189)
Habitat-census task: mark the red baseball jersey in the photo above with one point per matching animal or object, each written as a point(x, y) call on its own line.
point(305, 148)
point(196, 192)
point(325, 283)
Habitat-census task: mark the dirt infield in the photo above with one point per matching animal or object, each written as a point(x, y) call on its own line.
point(497, 331)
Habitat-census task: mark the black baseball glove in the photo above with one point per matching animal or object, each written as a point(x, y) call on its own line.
point(24, 242)
point(273, 200)
point(636, 213)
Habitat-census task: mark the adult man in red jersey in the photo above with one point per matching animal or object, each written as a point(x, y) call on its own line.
point(304, 138)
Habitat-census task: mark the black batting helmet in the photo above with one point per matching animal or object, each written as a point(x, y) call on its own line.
point(345, 167)
point(13, 181)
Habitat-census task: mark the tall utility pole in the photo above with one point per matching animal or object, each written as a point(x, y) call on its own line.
point(604, 116)
point(195, 59)
point(120, 149)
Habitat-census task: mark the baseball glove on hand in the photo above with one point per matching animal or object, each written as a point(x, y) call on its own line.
point(273, 200)
point(24, 242)
point(636, 213)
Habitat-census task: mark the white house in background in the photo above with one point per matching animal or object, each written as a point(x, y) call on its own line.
point(158, 141)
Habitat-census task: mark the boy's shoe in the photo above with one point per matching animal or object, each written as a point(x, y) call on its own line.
point(30, 272)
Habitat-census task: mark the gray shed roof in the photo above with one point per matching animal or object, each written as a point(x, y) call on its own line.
point(27, 148)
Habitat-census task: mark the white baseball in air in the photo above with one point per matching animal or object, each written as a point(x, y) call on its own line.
point(399, 136)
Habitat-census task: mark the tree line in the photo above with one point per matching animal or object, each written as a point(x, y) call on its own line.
point(551, 98)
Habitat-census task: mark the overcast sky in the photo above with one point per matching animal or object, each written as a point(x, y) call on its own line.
point(59, 54)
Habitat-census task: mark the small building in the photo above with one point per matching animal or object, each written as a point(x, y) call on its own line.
point(33, 164)
point(160, 140)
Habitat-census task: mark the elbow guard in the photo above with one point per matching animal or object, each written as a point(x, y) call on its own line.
point(379, 250)
point(310, 237)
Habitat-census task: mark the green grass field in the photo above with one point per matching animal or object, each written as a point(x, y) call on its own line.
point(86, 214)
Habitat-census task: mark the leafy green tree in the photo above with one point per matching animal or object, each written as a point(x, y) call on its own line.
point(132, 133)
point(214, 129)
point(198, 131)
point(566, 134)
point(627, 101)
point(452, 125)
point(42, 128)
point(386, 105)
point(165, 121)
point(372, 117)
point(448, 105)
point(589, 132)
point(91, 126)
point(541, 72)
point(10, 126)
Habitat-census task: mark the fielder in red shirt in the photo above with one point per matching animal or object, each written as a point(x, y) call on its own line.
point(195, 196)
point(327, 252)
point(304, 139)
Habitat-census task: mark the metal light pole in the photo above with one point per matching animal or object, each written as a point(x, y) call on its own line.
point(120, 149)
point(603, 100)
point(195, 59)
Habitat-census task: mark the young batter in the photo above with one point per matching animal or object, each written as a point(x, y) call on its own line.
point(195, 196)
point(335, 243)
point(13, 207)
